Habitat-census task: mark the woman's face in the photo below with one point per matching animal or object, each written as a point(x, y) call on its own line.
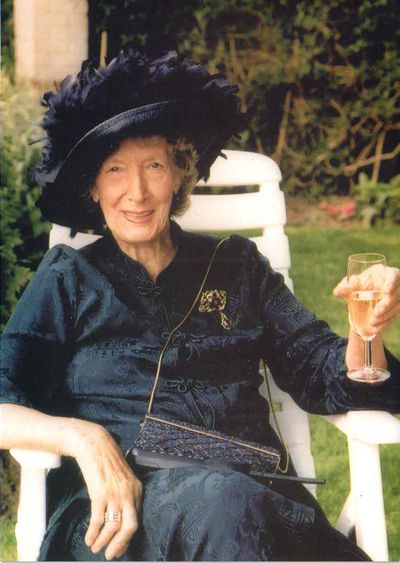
point(134, 187)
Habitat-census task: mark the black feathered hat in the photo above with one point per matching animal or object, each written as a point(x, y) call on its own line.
point(89, 115)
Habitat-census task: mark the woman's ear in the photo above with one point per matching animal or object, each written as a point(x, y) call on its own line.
point(94, 192)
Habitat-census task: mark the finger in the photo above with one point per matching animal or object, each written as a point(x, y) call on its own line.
point(387, 317)
point(342, 289)
point(108, 530)
point(96, 521)
point(120, 541)
point(130, 522)
point(377, 276)
point(392, 281)
point(379, 327)
point(388, 305)
point(138, 497)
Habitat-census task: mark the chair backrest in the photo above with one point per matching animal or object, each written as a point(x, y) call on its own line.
point(264, 210)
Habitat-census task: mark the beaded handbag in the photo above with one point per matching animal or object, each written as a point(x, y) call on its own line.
point(164, 442)
point(189, 444)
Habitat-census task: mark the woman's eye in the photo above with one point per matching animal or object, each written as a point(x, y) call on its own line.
point(156, 165)
point(114, 169)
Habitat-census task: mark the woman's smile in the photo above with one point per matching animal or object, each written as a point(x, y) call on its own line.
point(138, 217)
point(135, 188)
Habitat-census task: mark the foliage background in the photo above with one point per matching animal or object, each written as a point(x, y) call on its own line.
point(319, 79)
point(23, 232)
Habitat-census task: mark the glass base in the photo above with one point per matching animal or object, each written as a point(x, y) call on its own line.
point(370, 375)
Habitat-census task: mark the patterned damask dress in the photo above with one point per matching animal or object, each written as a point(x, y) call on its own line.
point(84, 341)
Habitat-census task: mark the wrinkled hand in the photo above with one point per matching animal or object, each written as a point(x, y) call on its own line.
point(384, 279)
point(112, 487)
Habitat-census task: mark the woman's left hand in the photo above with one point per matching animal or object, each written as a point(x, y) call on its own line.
point(113, 488)
point(387, 280)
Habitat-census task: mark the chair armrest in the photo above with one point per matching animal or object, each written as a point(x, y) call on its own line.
point(36, 459)
point(371, 427)
point(31, 522)
point(365, 430)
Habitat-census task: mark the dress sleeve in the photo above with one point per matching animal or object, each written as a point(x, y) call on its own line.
point(36, 340)
point(307, 359)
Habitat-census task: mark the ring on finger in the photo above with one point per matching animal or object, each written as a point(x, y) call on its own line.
point(110, 516)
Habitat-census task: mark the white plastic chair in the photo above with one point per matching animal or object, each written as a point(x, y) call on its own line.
point(365, 430)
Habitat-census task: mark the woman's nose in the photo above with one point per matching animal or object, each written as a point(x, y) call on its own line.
point(136, 188)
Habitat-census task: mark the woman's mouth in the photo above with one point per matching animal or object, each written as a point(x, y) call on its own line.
point(137, 216)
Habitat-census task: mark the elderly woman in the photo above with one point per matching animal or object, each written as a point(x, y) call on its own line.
point(124, 146)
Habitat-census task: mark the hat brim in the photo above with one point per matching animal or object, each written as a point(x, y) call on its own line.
point(64, 187)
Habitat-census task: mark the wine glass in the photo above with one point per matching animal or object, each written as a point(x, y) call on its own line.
point(365, 273)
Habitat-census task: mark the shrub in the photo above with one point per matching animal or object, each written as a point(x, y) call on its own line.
point(318, 78)
point(7, 36)
point(378, 202)
point(23, 232)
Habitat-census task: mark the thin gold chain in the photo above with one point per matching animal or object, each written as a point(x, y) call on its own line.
point(276, 423)
point(178, 326)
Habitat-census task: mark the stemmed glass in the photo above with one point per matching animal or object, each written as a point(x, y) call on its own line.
point(365, 273)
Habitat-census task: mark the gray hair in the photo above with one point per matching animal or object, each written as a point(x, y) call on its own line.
point(185, 158)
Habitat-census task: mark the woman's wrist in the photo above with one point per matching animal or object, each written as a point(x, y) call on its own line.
point(81, 436)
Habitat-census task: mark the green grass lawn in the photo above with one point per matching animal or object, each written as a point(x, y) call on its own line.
point(8, 547)
point(318, 263)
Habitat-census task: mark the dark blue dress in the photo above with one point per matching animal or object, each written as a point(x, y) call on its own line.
point(84, 341)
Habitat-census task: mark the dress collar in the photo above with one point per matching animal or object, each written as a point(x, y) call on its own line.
point(191, 258)
point(178, 283)
point(128, 267)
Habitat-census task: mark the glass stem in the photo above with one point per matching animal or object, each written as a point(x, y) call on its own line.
point(368, 353)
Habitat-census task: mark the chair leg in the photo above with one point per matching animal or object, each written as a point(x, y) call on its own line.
point(367, 495)
point(346, 518)
point(31, 523)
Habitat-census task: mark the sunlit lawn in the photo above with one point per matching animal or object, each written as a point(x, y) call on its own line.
point(318, 263)
point(8, 548)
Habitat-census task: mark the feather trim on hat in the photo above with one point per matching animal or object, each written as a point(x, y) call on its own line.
point(128, 81)
point(88, 116)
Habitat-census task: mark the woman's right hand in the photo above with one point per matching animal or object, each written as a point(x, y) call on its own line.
point(111, 484)
point(112, 487)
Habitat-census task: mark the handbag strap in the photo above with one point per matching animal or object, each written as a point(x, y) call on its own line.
point(282, 470)
point(178, 326)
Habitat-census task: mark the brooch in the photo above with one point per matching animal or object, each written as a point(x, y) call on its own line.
point(214, 301)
